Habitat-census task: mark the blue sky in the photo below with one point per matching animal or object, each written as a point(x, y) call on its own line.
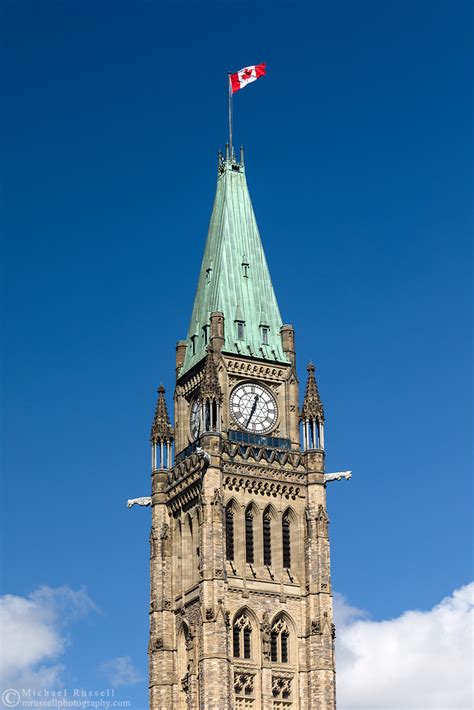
point(359, 157)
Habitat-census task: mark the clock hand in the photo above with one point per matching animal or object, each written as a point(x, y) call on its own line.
point(252, 411)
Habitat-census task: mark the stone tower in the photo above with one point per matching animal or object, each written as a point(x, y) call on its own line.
point(241, 605)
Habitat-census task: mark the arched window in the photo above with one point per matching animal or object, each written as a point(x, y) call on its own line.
point(280, 642)
point(242, 637)
point(286, 540)
point(229, 532)
point(267, 538)
point(249, 547)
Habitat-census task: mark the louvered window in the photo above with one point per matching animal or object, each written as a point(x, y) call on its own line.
point(274, 646)
point(247, 634)
point(286, 541)
point(229, 533)
point(267, 539)
point(236, 641)
point(284, 647)
point(249, 556)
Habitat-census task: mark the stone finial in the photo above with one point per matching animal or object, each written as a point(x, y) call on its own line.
point(210, 387)
point(312, 405)
point(161, 429)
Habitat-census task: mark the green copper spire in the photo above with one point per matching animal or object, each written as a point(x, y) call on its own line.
point(234, 278)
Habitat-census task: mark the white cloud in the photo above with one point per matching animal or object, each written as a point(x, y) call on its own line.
point(121, 671)
point(33, 637)
point(421, 660)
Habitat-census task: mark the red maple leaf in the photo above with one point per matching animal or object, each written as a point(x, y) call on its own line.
point(246, 74)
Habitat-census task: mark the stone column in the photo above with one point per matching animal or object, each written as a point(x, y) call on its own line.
point(320, 629)
point(162, 642)
point(214, 665)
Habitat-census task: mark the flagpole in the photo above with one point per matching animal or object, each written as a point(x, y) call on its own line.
point(230, 116)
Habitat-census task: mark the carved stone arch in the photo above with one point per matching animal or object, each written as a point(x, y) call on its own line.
point(282, 624)
point(271, 510)
point(288, 511)
point(245, 634)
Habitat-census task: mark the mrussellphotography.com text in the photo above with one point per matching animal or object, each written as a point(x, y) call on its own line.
point(65, 698)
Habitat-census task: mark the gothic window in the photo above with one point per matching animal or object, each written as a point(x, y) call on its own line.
point(242, 637)
point(249, 551)
point(286, 540)
point(267, 539)
point(240, 329)
point(280, 642)
point(265, 334)
point(205, 333)
point(229, 533)
point(193, 343)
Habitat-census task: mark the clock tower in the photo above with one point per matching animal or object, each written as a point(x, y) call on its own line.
point(241, 602)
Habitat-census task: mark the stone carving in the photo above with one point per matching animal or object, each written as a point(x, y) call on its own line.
point(322, 520)
point(281, 686)
point(218, 500)
point(243, 683)
point(333, 631)
point(209, 614)
point(262, 487)
point(203, 455)
point(347, 475)
point(316, 627)
point(145, 500)
point(165, 532)
point(157, 644)
point(266, 636)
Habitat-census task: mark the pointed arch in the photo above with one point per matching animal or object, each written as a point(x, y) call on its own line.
point(283, 639)
point(244, 634)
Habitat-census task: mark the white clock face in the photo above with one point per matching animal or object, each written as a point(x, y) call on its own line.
point(195, 419)
point(254, 408)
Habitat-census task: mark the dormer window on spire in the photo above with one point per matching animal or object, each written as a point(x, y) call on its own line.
point(265, 331)
point(205, 333)
point(240, 325)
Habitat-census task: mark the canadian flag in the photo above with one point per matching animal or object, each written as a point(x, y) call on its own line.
point(246, 75)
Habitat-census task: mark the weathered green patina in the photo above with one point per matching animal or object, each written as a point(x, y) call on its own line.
point(234, 278)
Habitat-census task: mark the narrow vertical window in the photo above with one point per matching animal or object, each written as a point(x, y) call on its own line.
point(240, 329)
point(205, 333)
point(249, 536)
point(265, 332)
point(267, 539)
point(229, 533)
point(274, 646)
point(284, 647)
point(236, 641)
point(286, 541)
point(193, 343)
point(247, 634)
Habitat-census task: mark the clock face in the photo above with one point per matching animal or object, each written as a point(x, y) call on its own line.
point(254, 408)
point(195, 419)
